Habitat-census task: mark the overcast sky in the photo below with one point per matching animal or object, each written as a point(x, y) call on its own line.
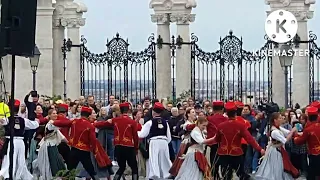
point(214, 18)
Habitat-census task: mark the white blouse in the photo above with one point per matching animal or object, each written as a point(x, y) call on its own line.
point(198, 136)
point(280, 134)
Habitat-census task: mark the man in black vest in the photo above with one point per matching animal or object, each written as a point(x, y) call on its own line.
point(20, 170)
point(158, 131)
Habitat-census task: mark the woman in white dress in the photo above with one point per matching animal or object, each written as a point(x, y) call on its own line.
point(49, 161)
point(186, 128)
point(276, 163)
point(195, 165)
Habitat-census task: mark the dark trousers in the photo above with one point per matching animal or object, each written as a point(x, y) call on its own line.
point(64, 150)
point(313, 169)
point(126, 155)
point(214, 161)
point(28, 135)
point(76, 156)
point(299, 161)
point(230, 163)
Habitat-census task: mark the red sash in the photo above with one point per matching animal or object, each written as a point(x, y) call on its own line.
point(178, 161)
point(101, 156)
point(203, 165)
point(287, 165)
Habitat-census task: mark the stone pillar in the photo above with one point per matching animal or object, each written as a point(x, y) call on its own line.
point(57, 58)
point(300, 86)
point(300, 81)
point(278, 82)
point(163, 62)
point(183, 54)
point(73, 58)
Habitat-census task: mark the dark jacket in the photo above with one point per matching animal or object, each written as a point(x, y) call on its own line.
point(31, 106)
point(173, 121)
point(165, 115)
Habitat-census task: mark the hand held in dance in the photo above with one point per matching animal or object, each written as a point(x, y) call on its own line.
point(262, 152)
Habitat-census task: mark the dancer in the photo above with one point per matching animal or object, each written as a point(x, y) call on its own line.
point(311, 135)
point(20, 170)
point(186, 128)
point(83, 141)
point(229, 137)
point(63, 147)
point(195, 165)
point(213, 122)
point(276, 163)
point(49, 161)
point(157, 129)
point(126, 141)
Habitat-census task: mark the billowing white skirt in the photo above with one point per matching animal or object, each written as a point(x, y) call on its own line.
point(189, 169)
point(271, 167)
point(20, 170)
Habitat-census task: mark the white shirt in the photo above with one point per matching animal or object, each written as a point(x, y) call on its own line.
point(28, 123)
point(145, 131)
point(280, 134)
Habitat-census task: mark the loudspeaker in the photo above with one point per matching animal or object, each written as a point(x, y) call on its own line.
point(18, 18)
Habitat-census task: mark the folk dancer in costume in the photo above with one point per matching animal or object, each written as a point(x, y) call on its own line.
point(49, 160)
point(195, 165)
point(244, 144)
point(63, 147)
point(187, 127)
point(229, 137)
point(126, 141)
point(311, 136)
point(104, 172)
point(276, 163)
point(213, 121)
point(158, 131)
point(20, 170)
point(83, 141)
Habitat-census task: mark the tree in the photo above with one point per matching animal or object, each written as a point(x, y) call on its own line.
point(183, 96)
point(54, 98)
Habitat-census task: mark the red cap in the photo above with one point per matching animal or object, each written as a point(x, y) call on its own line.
point(64, 106)
point(312, 110)
point(230, 106)
point(86, 109)
point(239, 104)
point(158, 105)
point(217, 103)
point(16, 103)
point(125, 104)
point(315, 104)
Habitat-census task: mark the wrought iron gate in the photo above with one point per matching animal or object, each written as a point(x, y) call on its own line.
point(314, 68)
point(125, 74)
point(231, 71)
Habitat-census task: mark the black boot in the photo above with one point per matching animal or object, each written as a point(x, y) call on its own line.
point(116, 177)
point(135, 177)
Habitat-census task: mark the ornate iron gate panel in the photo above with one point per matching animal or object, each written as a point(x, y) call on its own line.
point(231, 71)
point(125, 74)
point(314, 68)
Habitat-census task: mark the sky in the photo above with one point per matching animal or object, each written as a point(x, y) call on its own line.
point(214, 18)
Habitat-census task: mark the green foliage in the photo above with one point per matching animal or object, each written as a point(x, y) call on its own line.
point(282, 110)
point(67, 175)
point(183, 96)
point(54, 98)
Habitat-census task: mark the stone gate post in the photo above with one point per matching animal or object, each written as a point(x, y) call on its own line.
point(58, 34)
point(183, 55)
point(161, 16)
point(300, 68)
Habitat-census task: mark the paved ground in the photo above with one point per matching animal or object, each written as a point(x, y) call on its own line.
point(142, 178)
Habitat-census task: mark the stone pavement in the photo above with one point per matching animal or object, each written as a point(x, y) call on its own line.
point(142, 178)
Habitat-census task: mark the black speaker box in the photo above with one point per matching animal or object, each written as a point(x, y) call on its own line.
point(18, 18)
